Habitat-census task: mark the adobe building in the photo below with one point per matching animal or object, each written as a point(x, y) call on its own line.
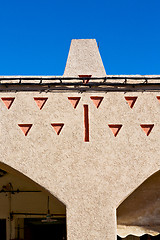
point(80, 153)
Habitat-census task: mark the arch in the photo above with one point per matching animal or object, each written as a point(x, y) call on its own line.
point(28, 172)
point(139, 213)
point(15, 171)
point(25, 204)
point(145, 177)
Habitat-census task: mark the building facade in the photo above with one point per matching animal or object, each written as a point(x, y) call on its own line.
point(80, 153)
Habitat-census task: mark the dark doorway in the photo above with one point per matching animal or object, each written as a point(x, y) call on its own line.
point(3, 229)
point(148, 237)
point(36, 229)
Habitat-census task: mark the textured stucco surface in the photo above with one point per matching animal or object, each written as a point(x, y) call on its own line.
point(139, 213)
point(84, 59)
point(23, 202)
point(91, 178)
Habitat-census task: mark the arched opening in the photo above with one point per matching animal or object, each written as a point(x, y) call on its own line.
point(28, 211)
point(138, 216)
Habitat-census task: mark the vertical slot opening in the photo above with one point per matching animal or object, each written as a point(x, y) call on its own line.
point(86, 123)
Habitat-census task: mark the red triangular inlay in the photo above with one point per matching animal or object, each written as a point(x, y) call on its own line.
point(158, 97)
point(147, 128)
point(74, 101)
point(8, 101)
point(40, 101)
point(131, 101)
point(115, 128)
point(57, 127)
point(85, 76)
point(25, 128)
point(96, 100)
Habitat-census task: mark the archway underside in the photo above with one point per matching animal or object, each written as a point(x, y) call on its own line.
point(139, 214)
point(27, 210)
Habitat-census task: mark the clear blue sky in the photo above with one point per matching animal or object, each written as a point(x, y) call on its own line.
point(35, 35)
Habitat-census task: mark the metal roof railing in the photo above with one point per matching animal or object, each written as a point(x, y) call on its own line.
point(108, 82)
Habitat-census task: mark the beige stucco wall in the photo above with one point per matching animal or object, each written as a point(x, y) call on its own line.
point(84, 59)
point(32, 204)
point(90, 178)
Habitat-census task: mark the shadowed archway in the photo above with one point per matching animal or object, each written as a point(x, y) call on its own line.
point(139, 213)
point(28, 211)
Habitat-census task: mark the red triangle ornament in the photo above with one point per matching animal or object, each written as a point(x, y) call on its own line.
point(85, 76)
point(115, 128)
point(25, 128)
point(131, 101)
point(57, 127)
point(147, 128)
point(40, 101)
point(74, 101)
point(7, 101)
point(158, 97)
point(96, 100)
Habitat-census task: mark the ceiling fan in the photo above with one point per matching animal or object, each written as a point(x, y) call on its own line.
point(48, 218)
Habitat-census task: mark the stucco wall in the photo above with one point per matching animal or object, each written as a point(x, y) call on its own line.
point(90, 178)
point(84, 59)
point(25, 200)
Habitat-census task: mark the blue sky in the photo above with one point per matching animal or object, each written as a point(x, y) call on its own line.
point(35, 35)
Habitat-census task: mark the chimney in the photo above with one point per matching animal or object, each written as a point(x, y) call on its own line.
point(84, 59)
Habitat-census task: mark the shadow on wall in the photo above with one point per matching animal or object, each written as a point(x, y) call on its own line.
point(139, 214)
point(28, 211)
